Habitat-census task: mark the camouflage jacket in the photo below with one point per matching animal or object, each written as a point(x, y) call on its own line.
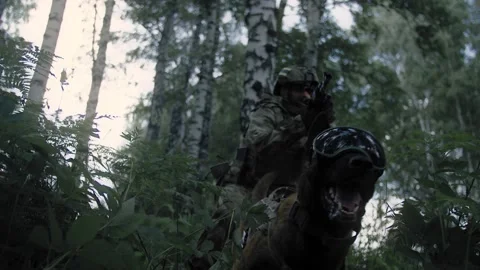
point(275, 140)
point(271, 122)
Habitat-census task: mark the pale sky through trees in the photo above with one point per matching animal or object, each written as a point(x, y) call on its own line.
point(119, 90)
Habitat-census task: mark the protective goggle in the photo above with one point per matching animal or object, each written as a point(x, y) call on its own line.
point(335, 141)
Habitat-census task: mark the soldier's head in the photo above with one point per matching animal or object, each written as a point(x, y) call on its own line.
point(295, 84)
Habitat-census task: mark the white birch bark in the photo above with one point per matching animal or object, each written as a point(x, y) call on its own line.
point(199, 128)
point(315, 10)
point(177, 122)
point(463, 127)
point(98, 70)
point(280, 14)
point(3, 5)
point(49, 43)
point(261, 22)
point(158, 99)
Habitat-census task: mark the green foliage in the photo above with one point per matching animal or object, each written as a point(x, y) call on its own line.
point(382, 258)
point(440, 228)
point(18, 59)
point(228, 91)
point(150, 218)
point(16, 11)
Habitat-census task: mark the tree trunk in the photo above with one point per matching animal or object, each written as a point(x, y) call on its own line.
point(154, 121)
point(424, 123)
point(463, 127)
point(177, 124)
point(280, 14)
point(98, 70)
point(261, 23)
point(50, 38)
point(3, 5)
point(199, 128)
point(315, 10)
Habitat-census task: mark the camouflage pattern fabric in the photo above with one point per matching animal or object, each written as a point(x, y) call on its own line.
point(294, 74)
point(272, 202)
point(271, 122)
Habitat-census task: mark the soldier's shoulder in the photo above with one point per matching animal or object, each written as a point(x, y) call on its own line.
point(269, 102)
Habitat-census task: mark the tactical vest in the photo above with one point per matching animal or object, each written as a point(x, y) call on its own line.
point(277, 156)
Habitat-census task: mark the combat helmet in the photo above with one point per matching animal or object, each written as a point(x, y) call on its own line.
point(295, 75)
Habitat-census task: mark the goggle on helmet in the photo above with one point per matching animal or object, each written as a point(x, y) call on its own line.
point(338, 140)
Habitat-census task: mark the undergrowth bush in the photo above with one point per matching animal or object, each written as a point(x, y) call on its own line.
point(134, 208)
point(438, 229)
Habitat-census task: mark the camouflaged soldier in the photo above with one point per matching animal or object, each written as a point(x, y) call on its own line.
point(273, 147)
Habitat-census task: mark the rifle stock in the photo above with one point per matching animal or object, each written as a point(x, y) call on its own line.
point(320, 91)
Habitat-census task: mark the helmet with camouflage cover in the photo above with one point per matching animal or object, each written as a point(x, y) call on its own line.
point(295, 75)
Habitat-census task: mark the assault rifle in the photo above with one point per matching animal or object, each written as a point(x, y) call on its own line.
point(320, 123)
point(320, 92)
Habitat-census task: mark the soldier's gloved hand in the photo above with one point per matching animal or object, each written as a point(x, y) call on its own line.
point(293, 131)
point(231, 177)
point(293, 127)
point(325, 105)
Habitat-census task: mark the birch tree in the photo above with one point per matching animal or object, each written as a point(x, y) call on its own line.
point(158, 97)
point(98, 70)
point(199, 127)
point(50, 38)
point(188, 61)
point(14, 12)
point(280, 13)
point(3, 5)
point(314, 13)
point(261, 22)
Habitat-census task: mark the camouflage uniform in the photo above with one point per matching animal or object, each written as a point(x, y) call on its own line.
point(275, 139)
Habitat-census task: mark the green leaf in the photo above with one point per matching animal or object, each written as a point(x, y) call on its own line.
point(166, 224)
point(128, 255)
point(102, 253)
point(426, 183)
point(217, 266)
point(446, 189)
point(237, 236)
point(207, 220)
point(127, 209)
point(409, 253)
point(40, 142)
point(433, 231)
point(126, 226)
point(109, 195)
point(65, 181)
point(39, 236)
point(412, 218)
point(206, 246)
point(84, 229)
point(56, 235)
point(257, 209)
point(8, 102)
